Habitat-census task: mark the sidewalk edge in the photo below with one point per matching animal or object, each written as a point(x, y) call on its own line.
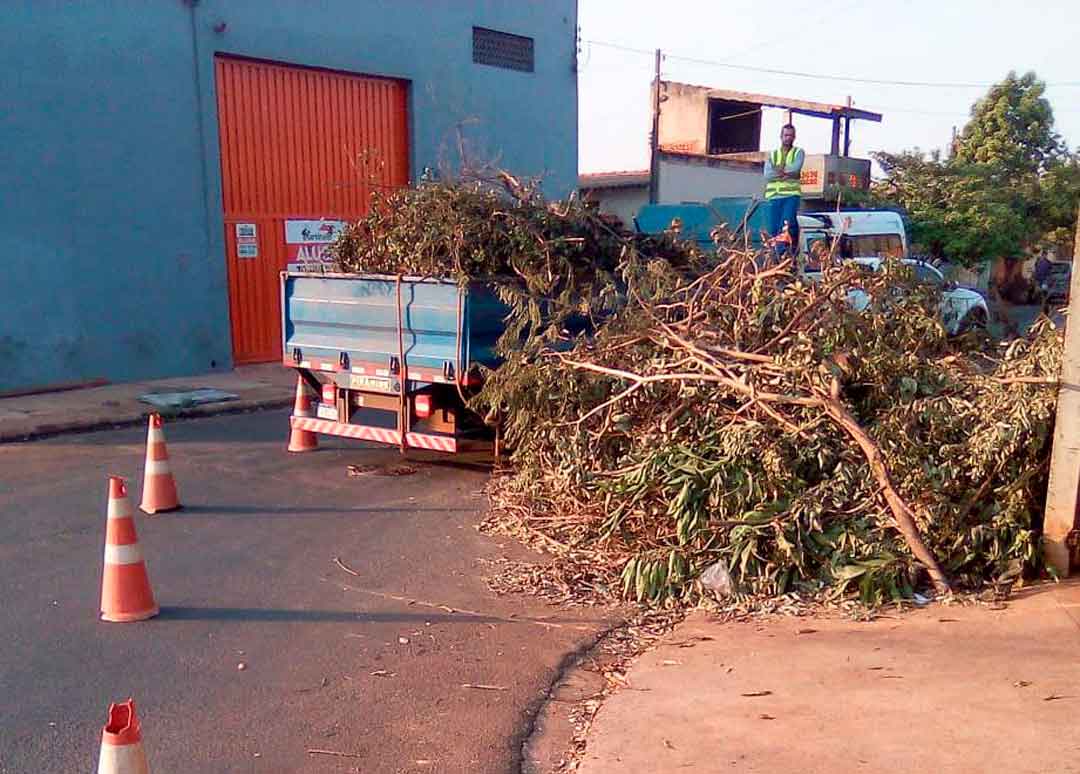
point(130, 420)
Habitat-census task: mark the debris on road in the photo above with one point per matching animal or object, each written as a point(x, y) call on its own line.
point(335, 753)
point(383, 673)
point(346, 568)
point(753, 694)
point(358, 471)
point(485, 687)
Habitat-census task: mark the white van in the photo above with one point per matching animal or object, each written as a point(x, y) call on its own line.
point(866, 233)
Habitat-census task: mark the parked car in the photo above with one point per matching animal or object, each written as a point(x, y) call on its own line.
point(1057, 282)
point(962, 309)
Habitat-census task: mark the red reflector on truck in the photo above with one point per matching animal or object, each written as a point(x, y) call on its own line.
point(328, 395)
point(422, 404)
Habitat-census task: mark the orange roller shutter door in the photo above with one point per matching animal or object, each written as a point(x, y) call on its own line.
point(299, 146)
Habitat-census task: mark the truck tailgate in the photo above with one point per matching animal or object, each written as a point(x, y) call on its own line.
point(442, 324)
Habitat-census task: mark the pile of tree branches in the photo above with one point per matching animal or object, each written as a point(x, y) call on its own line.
point(716, 409)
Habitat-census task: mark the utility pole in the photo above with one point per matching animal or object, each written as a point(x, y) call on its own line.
point(1063, 491)
point(654, 138)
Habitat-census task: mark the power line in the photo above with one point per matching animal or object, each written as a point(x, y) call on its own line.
point(814, 76)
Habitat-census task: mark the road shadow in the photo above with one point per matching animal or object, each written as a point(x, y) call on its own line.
point(271, 615)
point(283, 510)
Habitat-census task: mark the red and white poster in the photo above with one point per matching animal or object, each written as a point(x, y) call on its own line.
point(306, 242)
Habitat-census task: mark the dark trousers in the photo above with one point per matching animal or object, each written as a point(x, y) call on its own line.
point(785, 209)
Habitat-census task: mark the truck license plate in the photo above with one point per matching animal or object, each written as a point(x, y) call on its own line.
point(359, 382)
point(326, 411)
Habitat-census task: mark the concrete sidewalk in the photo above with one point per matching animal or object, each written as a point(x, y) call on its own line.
point(25, 417)
point(943, 689)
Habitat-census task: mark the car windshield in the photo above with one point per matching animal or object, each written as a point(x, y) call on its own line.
point(928, 274)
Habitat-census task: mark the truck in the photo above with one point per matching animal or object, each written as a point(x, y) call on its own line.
point(391, 360)
point(866, 237)
point(866, 233)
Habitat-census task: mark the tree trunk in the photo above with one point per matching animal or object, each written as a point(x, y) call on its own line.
point(905, 518)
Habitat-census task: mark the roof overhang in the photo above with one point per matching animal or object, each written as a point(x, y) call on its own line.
point(802, 106)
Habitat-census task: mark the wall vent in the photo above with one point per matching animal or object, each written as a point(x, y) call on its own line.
point(501, 49)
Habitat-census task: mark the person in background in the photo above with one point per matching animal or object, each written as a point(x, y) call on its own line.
point(1041, 279)
point(783, 191)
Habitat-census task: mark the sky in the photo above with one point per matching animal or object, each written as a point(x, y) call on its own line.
point(933, 41)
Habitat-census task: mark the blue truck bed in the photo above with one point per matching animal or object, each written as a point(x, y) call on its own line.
point(739, 213)
point(327, 316)
point(388, 361)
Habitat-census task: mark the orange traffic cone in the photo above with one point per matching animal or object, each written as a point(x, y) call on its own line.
point(301, 440)
point(125, 587)
point(159, 486)
point(121, 742)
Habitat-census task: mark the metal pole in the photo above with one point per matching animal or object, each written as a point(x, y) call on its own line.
point(1063, 490)
point(847, 129)
point(654, 138)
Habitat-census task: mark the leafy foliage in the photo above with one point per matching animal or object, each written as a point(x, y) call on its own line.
point(684, 471)
point(1011, 184)
point(712, 406)
point(1012, 128)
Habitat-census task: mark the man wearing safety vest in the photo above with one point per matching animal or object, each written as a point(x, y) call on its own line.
point(783, 190)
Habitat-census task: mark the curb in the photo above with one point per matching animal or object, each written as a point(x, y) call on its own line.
point(548, 737)
point(130, 420)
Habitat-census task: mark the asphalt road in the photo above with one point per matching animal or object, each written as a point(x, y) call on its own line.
point(370, 667)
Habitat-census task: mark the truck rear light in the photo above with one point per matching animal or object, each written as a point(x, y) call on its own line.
point(422, 406)
point(329, 395)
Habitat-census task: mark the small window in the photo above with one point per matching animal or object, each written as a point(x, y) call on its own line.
point(877, 246)
point(501, 49)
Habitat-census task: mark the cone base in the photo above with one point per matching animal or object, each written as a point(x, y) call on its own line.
point(163, 509)
point(142, 615)
point(302, 444)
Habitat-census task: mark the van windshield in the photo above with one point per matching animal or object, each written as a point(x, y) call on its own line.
point(875, 245)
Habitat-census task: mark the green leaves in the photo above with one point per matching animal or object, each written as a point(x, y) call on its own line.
point(1011, 185)
point(666, 407)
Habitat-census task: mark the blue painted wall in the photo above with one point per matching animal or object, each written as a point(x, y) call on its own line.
point(111, 225)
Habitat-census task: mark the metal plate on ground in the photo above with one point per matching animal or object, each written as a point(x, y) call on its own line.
point(187, 398)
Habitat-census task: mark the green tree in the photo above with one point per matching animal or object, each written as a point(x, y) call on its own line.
point(1060, 193)
point(1012, 128)
point(1010, 185)
point(957, 211)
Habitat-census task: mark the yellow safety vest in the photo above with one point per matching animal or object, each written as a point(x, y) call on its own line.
point(776, 188)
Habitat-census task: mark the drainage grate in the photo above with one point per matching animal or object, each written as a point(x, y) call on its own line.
point(501, 49)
